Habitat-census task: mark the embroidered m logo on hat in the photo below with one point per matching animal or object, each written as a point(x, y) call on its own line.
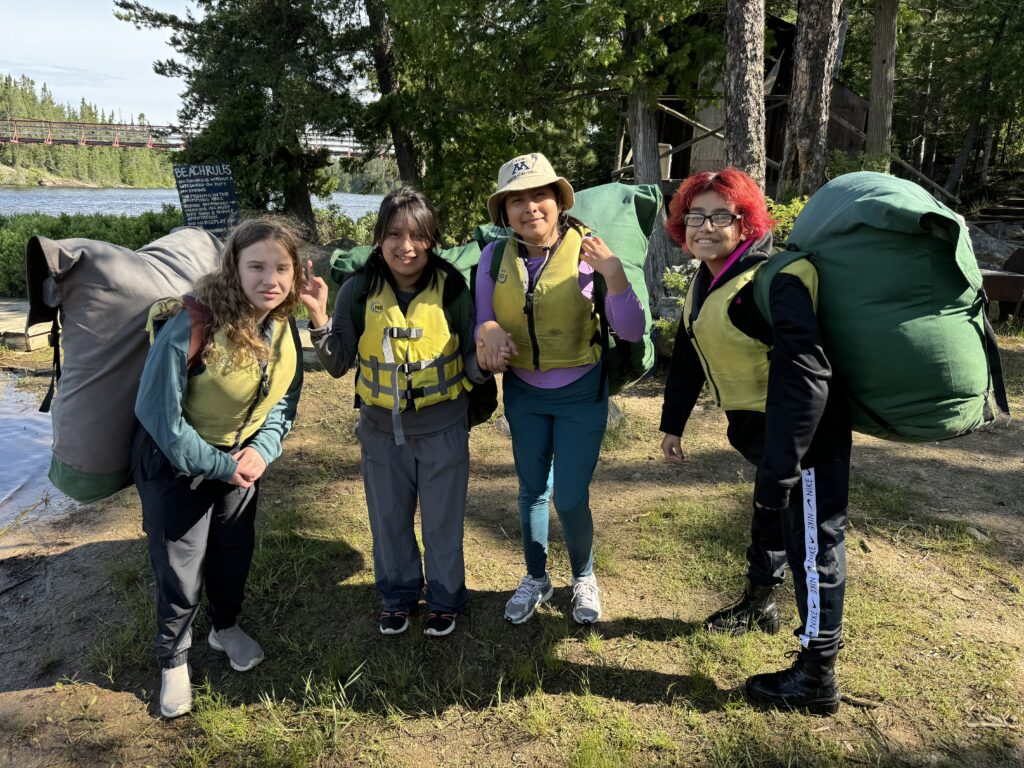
point(520, 166)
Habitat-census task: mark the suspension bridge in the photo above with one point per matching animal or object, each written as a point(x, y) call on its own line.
point(166, 138)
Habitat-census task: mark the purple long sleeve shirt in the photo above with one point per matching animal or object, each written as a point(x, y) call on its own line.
point(625, 316)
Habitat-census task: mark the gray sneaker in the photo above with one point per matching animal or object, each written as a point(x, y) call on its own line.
point(243, 652)
point(586, 600)
point(530, 593)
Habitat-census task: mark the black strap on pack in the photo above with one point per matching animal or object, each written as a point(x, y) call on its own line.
point(54, 339)
point(995, 364)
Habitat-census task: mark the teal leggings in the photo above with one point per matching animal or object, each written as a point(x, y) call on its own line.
point(565, 425)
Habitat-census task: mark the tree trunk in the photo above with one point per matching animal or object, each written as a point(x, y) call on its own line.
point(986, 154)
point(643, 135)
point(803, 155)
point(744, 87)
point(383, 51)
point(883, 75)
point(297, 204)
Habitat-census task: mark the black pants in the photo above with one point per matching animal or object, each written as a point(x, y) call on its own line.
point(201, 535)
point(809, 535)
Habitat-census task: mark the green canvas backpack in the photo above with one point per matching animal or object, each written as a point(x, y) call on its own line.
point(900, 306)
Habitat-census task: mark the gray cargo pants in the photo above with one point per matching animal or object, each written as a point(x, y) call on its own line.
point(434, 468)
point(198, 537)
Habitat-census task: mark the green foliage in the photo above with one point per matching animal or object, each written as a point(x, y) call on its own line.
point(481, 83)
point(784, 215)
point(333, 224)
point(129, 231)
point(376, 176)
point(840, 162)
point(26, 164)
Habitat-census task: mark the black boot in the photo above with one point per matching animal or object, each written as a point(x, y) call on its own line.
point(808, 685)
point(754, 610)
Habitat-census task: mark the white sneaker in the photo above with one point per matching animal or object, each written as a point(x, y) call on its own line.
point(586, 600)
point(175, 691)
point(529, 594)
point(243, 652)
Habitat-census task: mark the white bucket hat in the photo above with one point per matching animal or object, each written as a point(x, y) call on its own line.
point(527, 172)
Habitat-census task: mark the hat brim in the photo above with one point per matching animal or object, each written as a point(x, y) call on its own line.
point(495, 201)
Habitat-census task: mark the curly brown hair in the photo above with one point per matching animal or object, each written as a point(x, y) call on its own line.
point(221, 291)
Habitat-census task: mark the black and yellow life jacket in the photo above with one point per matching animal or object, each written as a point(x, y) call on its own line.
point(552, 323)
point(735, 364)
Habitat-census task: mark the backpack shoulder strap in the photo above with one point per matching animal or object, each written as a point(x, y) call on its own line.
point(766, 274)
point(496, 257)
point(199, 316)
point(357, 309)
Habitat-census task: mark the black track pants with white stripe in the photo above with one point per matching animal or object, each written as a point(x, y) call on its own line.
point(814, 527)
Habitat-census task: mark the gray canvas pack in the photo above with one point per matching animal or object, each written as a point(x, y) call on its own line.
point(97, 296)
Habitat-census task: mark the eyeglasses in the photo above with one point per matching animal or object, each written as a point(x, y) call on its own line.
point(717, 219)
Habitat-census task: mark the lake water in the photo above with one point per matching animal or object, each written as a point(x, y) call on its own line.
point(55, 200)
point(25, 441)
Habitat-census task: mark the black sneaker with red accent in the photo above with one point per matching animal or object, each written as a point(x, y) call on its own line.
point(439, 624)
point(394, 622)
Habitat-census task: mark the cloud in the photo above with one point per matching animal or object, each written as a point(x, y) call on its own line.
point(60, 75)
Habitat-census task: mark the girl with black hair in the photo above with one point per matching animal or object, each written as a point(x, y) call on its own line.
point(405, 320)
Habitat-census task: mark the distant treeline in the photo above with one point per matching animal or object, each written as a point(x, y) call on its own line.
point(103, 166)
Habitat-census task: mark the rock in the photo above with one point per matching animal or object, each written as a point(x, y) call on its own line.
point(977, 535)
point(990, 249)
point(669, 308)
point(616, 417)
point(501, 424)
point(1004, 230)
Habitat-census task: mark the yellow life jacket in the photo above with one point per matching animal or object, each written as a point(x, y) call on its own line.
point(736, 365)
point(555, 326)
point(408, 358)
point(218, 401)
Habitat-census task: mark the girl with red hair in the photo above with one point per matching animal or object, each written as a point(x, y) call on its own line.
point(786, 416)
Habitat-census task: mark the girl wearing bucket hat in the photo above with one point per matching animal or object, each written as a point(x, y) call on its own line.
point(536, 322)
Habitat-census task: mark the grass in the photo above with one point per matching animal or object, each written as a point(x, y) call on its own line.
point(932, 632)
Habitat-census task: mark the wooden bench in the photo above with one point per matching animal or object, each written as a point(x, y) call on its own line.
point(1006, 286)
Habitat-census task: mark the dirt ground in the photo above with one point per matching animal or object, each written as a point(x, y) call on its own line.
point(62, 584)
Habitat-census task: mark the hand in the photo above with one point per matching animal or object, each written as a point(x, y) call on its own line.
point(595, 252)
point(494, 347)
point(251, 466)
point(671, 446)
point(314, 297)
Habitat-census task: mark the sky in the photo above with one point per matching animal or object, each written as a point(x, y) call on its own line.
point(80, 50)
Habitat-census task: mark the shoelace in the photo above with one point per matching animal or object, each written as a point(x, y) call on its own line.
point(527, 586)
point(585, 591)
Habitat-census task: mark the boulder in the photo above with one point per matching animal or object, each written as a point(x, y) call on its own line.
point(1004, 230)
point(989, 249)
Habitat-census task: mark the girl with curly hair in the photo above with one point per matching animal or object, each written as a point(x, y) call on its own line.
point(217, 396)
point(786, 414)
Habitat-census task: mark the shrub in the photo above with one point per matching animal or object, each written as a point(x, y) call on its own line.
point(784, 214)
point(128, 231)
point(333, 224)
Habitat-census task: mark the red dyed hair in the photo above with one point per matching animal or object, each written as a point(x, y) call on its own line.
point(732, 184)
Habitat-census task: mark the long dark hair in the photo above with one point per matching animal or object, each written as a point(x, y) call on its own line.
point(415, 206)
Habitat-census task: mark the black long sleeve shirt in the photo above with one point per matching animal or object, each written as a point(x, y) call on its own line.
point(804, 421)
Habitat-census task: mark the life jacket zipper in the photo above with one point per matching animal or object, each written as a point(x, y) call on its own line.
point(531, 322)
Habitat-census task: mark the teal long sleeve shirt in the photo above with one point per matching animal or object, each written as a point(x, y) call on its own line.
point(159, 408)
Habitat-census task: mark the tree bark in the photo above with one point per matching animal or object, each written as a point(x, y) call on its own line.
point(803, 155)
point(383, 52)
point(986, 154)
point(643, 135)
point(883, 75)
point(744, 87)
